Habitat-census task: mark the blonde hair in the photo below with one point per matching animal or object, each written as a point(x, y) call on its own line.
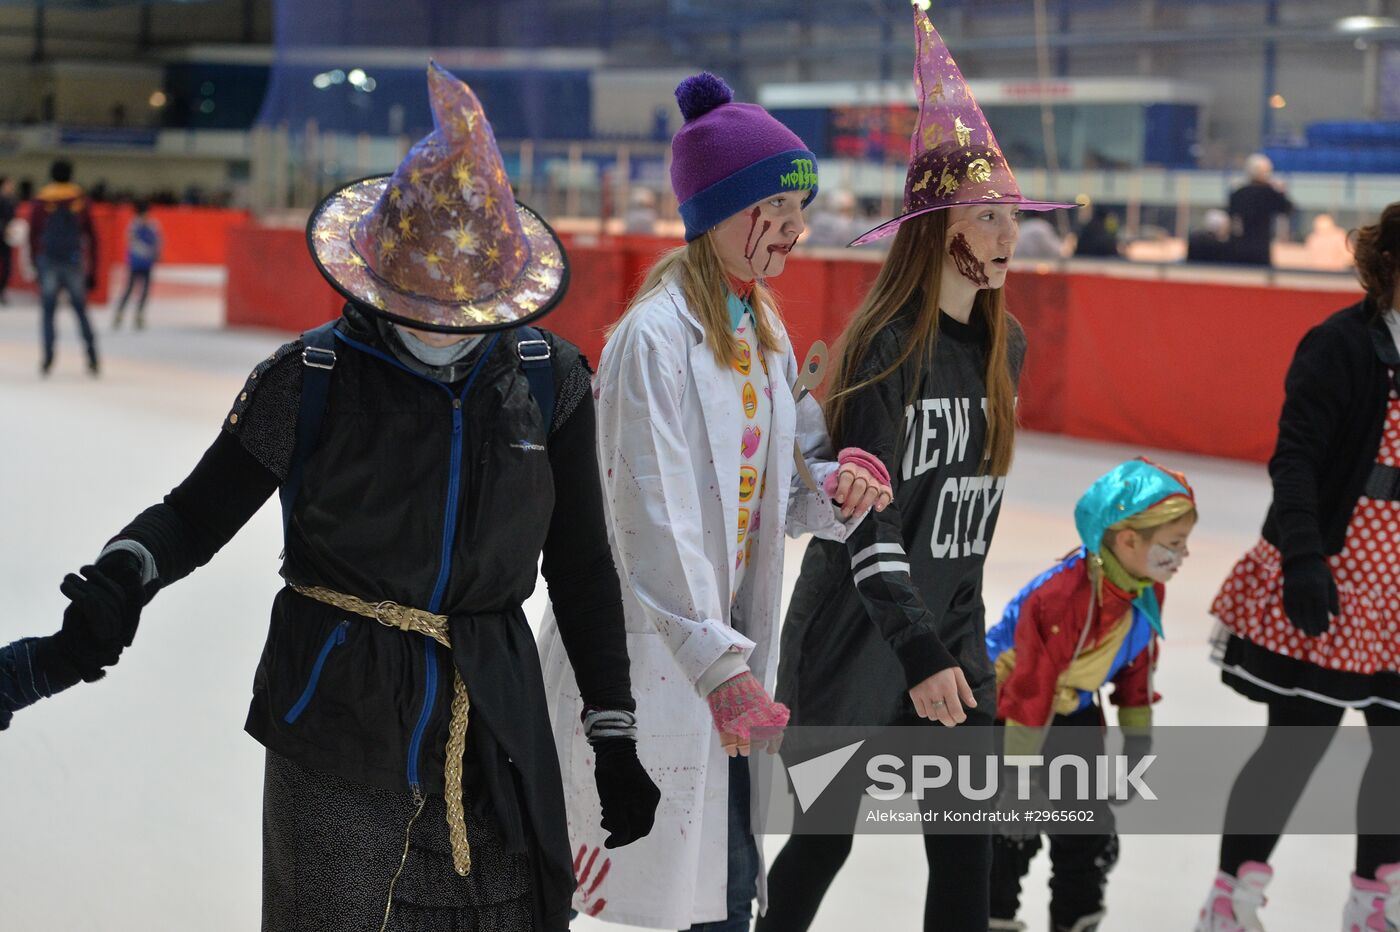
point(1159, 515)
point(697, 270)
point(915, 262)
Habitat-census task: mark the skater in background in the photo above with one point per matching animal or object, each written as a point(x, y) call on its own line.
point(63, 247)
point(410, 778)
point(143, 244)
point(697, 430)
point(888, 628)
point(1308, 616)
point(1090, 620)
point(7, 214)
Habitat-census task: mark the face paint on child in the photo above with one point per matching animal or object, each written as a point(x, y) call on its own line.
point(1163, 562)
point(755, 243)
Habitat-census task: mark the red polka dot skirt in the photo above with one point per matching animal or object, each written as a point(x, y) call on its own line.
point(1356, 660)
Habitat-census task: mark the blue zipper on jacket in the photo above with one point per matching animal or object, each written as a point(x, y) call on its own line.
point(336, 638)
point(449, 527)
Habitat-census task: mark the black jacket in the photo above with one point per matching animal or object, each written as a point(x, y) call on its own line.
point(901, 599)
point(436, 497)
point(1329, 433)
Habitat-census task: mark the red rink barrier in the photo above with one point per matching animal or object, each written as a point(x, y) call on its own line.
point(1190, 366)
point(191, 236)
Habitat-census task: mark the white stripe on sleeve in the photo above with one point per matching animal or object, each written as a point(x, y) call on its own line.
point(884, 566)
point(874, 549)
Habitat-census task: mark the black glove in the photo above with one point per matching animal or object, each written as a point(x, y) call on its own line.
point(1309, 594)
point(628, 795)
point(101, 615)
point(32, 669)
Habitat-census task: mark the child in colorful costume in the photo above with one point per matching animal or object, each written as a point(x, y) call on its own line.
point(1092, 619)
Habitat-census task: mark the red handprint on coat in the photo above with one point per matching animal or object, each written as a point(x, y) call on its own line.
point(583, 872)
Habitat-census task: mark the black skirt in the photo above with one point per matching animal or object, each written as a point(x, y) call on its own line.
point(331, 847)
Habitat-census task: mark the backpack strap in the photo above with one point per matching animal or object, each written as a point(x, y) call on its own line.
point(535, 360)
point(318, 360)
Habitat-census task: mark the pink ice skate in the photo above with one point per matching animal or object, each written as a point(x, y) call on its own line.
point(1374, 905)
point(1233, 904)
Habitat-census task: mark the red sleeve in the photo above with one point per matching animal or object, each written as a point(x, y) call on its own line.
point(1028, 695)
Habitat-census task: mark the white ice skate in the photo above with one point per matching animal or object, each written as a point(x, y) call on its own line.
point(1233, 904)
point(1374, 905)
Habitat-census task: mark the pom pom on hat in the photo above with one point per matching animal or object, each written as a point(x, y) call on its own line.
point(701, 93)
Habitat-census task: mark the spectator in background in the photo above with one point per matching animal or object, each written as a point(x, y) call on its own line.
point(1211, 243)
point(1326, 246)
point(1253, 209)
point(1038, 240)
point(832, 220)
point(1099, 237)
point(641, 213)
point(64, 248)
point(7, 213)
point(143, 242)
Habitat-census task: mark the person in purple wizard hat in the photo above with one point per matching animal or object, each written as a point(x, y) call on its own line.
point(888, 627)
point(712, 453)
point(429, 446)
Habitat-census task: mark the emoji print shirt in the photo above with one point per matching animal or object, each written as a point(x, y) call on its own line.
point(754, 394)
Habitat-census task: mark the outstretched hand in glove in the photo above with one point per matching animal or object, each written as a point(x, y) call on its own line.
point(104, 607)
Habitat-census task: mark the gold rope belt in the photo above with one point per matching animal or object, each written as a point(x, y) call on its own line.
point(434, 626)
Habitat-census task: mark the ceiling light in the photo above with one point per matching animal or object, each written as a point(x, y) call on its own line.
point(1365, 23)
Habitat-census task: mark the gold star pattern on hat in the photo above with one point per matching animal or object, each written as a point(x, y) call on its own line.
point(442, 242)
point(954, 158)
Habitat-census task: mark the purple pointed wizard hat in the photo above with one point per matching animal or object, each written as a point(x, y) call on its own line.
point(442, 243)
point(953, 157)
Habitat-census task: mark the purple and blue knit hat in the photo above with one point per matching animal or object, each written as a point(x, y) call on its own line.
point(728, 156)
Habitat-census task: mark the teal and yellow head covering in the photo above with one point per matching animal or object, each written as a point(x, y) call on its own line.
point(1137, 493)
point(1126, 491)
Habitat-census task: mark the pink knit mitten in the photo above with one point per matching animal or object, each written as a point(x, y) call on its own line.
point(741, 704)
point(857, 457)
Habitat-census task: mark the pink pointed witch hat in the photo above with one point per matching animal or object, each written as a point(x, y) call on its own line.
point(953, 157)
point(442, 243)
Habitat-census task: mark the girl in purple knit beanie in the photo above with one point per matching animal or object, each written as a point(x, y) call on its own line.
point(704, 441)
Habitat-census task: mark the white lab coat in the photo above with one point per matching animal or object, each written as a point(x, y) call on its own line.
point(669, 429)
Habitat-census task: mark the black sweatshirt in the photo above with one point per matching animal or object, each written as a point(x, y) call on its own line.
point(1329, 432)
point(901, 599)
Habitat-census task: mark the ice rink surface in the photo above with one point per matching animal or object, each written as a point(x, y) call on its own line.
point(135, 803)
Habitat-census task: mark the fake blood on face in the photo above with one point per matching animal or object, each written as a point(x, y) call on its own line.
point(969, 266)
point(751, 242)
point(783, 248)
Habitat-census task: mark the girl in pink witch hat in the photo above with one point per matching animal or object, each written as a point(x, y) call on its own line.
point(926, 380)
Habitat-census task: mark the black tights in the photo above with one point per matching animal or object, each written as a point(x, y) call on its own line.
point(959, 869)
point(1286, 759)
